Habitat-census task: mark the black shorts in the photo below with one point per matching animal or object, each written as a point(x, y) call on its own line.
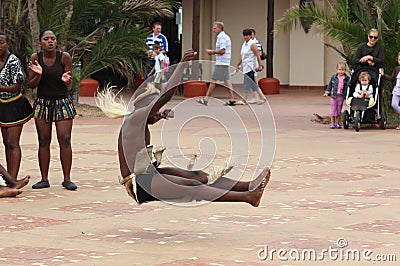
point(15, 111)
point(221, 73)
point(143, 188)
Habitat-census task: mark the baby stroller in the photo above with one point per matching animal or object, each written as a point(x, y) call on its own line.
point(359, 109)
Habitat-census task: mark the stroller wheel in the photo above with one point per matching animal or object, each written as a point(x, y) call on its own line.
point(383, 120)
point(357, 121)
point(346, 119)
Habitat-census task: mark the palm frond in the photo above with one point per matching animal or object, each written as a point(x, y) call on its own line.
point(121, 49)
point(334, 22)
point(51, 13)
point(149, 8)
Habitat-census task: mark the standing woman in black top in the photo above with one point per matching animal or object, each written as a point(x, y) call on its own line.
point(50, 72)
point(369, 55)
point(15, 110)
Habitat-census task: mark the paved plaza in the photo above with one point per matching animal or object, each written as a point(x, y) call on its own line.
point(331, 191)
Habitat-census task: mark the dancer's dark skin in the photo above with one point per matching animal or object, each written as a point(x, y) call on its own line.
point(11, 134)
point(13, 186)
point(174, 183)
point(9, 192)
point(48, 42)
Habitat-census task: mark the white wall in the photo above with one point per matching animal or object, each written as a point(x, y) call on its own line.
point(235, 19)
point(332, 58)
point(187, 17)
point(281, 47)
point(300, 59)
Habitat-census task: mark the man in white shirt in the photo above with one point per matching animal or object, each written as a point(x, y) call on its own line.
point(222, 52)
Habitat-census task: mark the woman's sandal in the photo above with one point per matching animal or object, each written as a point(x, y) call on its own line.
point(69, 185)
point(41, 184)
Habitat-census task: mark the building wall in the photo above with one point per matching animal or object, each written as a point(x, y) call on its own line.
point(281, 47)
point(300, 59)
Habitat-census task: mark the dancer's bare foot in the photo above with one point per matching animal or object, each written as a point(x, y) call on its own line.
point(22, 182)
point(9, 192)
point(127, 182)
point(257, 193)
point(253, 184)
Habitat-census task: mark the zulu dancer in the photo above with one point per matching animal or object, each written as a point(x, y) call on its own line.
point(143, 179)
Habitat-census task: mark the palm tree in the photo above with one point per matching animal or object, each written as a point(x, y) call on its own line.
point(14, 24)
point(103, 34)
point(348, 22)
point(97, 33)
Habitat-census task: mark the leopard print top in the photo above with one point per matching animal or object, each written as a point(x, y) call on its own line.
point(11, 73)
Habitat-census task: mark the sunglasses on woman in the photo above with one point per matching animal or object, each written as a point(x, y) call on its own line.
point(373, 37)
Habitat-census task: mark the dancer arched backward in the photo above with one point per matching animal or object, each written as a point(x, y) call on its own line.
point(142, 180)
point(9, 187)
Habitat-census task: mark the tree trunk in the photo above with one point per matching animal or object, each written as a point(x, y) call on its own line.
point(34, 24)
point(270, 38)
point(2, 16)
point(196, 38)
point(67, 22)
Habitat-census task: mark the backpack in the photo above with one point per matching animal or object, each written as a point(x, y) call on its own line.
point(263, 55)
point(166, 63)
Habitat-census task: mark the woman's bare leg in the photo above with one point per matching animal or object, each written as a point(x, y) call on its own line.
point(44, 136)
point(64, 129)
point(11, 137)
point(261, 95)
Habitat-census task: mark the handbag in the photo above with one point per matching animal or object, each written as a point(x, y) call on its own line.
point(263, 56)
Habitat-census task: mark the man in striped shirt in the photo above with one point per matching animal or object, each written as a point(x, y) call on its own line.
point(155, 37)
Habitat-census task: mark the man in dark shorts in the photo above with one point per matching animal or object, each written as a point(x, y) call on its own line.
point(222, 54)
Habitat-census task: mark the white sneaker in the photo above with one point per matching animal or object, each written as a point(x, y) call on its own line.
point(261, 101)
point(202, 101)
point(252, 101)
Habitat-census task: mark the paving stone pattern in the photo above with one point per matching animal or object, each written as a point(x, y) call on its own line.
point(326, 186)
